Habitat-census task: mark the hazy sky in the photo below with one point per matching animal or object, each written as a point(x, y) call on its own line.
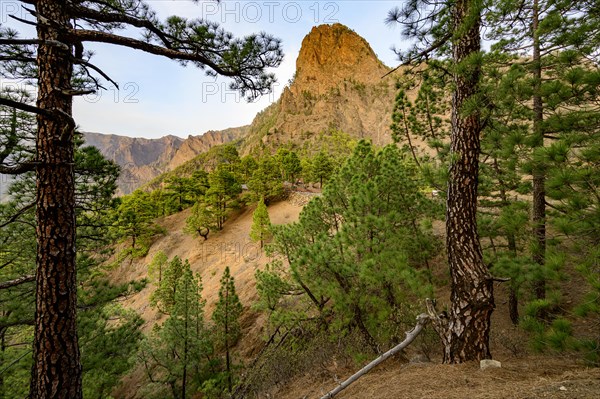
point(158, 96)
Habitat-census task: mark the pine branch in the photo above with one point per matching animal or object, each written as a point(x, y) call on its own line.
point(103, 37)
point(115, 17)
point(25, 322)
point(19, 169)
point(424, 53)
point(17, 281)
point(24, 21)
point(24, 42)
point(24, 107)
point(95, 68)
point(14, 217)
point(247, 72)
point(17, 59)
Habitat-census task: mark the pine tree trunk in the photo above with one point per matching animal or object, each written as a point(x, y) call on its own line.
point(407, 134)
point(227, 358)
point(467, 334)
point(2, 349)
point(513, 306)
point(539, 176)
point(56, 371)
point(185, 344)
point(513, 299)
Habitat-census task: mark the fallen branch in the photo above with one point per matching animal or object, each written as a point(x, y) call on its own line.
point(422, 320)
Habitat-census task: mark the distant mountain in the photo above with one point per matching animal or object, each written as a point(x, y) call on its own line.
point(195, 145)
point(141, 159)
point(339, 85)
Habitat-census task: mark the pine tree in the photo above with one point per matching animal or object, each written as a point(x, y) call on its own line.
point(247, 167)
point(52, 60)
point(507, 157)
point(425, 118)
point(455, 26)
point(226, 318)
point(266, 180)
point(290, 164)
point(357, 253)
point(176, 353)
point(178, 189)
point(545, 46)
point(135, 221)
point(109, 335)
point(201, 221)
point(322, 167)
point(164, 296)
point(156, 267)
point(224, 187)
point(261, 224)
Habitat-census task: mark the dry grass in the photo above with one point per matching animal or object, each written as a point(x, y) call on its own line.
point(525, 378)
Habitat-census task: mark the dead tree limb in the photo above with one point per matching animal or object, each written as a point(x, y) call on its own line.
point(422, 320)
point(242, 386)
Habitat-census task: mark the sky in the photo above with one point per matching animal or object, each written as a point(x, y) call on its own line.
point(158, 96)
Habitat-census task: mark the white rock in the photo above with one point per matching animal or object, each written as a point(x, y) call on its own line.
point(489, 364)
point(562, 388)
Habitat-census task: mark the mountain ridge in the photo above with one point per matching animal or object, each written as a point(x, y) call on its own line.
point(339, 84)
point(143, 159)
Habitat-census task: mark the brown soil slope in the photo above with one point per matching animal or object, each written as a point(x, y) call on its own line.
point(527, 378)
point(230, 247)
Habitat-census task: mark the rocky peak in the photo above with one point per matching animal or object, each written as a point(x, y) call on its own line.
point(331, 54)
point(338, 86)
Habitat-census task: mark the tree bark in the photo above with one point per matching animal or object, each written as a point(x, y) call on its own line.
point(227, 358)
point(56, 371)
point(539, 177)
point(466, 336)
point(513, 306)
point(185, 343)
point(513, 298)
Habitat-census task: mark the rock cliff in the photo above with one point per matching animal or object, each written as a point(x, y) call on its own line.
point(141, 159)
point(339, 85)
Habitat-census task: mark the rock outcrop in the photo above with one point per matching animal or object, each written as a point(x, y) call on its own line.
point(195, 145)
point(338, 85)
